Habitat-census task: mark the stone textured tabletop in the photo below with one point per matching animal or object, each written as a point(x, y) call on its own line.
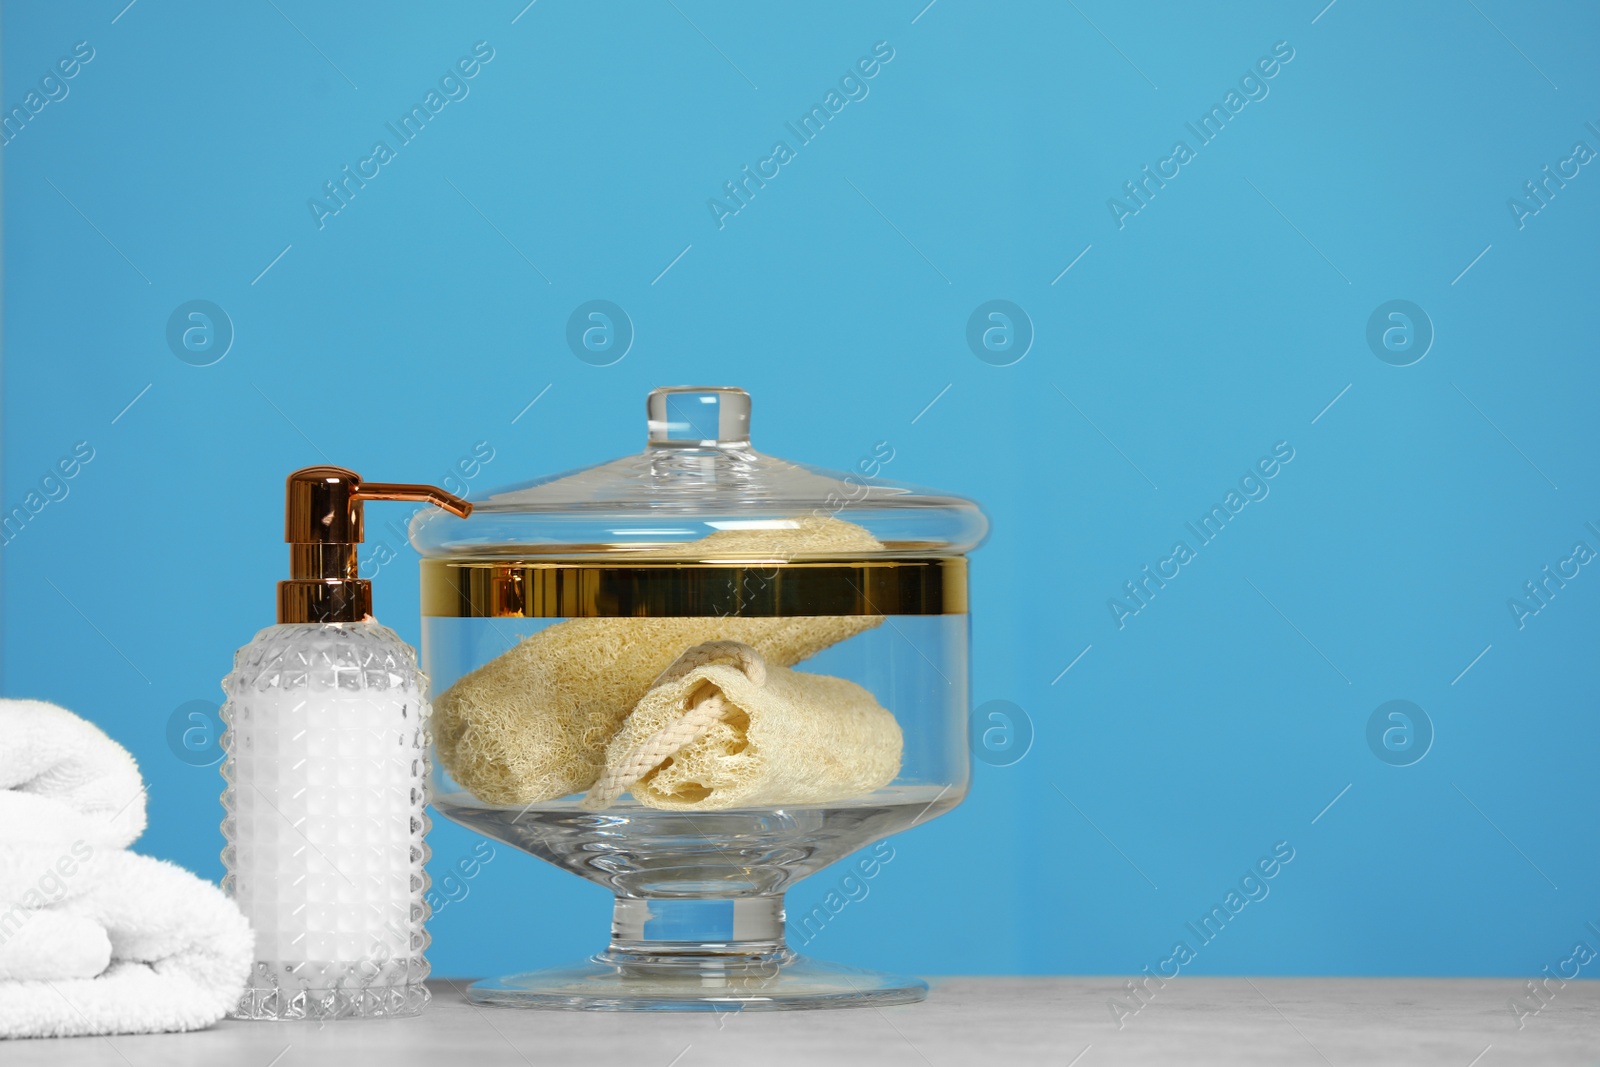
point(1057, 1021)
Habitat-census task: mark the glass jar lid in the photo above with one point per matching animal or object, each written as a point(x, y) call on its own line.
point(699, 491)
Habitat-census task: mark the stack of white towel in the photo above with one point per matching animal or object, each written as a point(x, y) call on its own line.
point(95, 939)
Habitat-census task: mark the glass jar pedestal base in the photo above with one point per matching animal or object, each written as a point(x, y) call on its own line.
point(698, 954)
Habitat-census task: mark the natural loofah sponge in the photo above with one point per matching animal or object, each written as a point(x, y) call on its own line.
point(721, 729)
point(533, 723)
point(782, 539)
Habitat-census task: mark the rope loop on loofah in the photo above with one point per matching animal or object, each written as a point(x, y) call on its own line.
point(704, 713)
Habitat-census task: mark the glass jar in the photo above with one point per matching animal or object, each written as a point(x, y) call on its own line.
point(696, 675)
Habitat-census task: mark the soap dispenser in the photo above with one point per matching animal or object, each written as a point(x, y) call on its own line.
point(326, 764)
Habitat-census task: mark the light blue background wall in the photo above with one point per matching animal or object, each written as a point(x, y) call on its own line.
point(1220, 320)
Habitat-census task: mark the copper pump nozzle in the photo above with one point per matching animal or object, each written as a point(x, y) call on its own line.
point(323, 523)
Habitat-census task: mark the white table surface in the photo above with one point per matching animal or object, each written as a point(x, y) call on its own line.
point(1057, 1021)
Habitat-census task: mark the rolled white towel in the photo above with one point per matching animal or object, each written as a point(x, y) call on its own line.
point(68, 795)
point(95, 939)
point(48, 852)
point(48, 945)
point(47, 751)
point(178, 950)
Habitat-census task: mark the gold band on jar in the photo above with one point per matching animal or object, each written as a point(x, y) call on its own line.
point(454, 588)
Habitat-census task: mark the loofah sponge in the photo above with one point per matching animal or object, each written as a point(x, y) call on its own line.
point(781, 539)
point(533, 724)
point(721, 729)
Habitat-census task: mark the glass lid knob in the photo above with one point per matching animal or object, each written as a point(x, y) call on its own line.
point(699, 416)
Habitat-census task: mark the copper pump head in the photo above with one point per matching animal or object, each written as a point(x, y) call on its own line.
point(323, 524)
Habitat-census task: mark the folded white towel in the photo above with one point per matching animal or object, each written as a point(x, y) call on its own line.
point(94, 939)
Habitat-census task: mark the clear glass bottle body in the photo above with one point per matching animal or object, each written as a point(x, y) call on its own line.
point(326, 766)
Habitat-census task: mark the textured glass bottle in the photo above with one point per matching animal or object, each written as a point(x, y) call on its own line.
point(326, 760)
point(327, 767)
